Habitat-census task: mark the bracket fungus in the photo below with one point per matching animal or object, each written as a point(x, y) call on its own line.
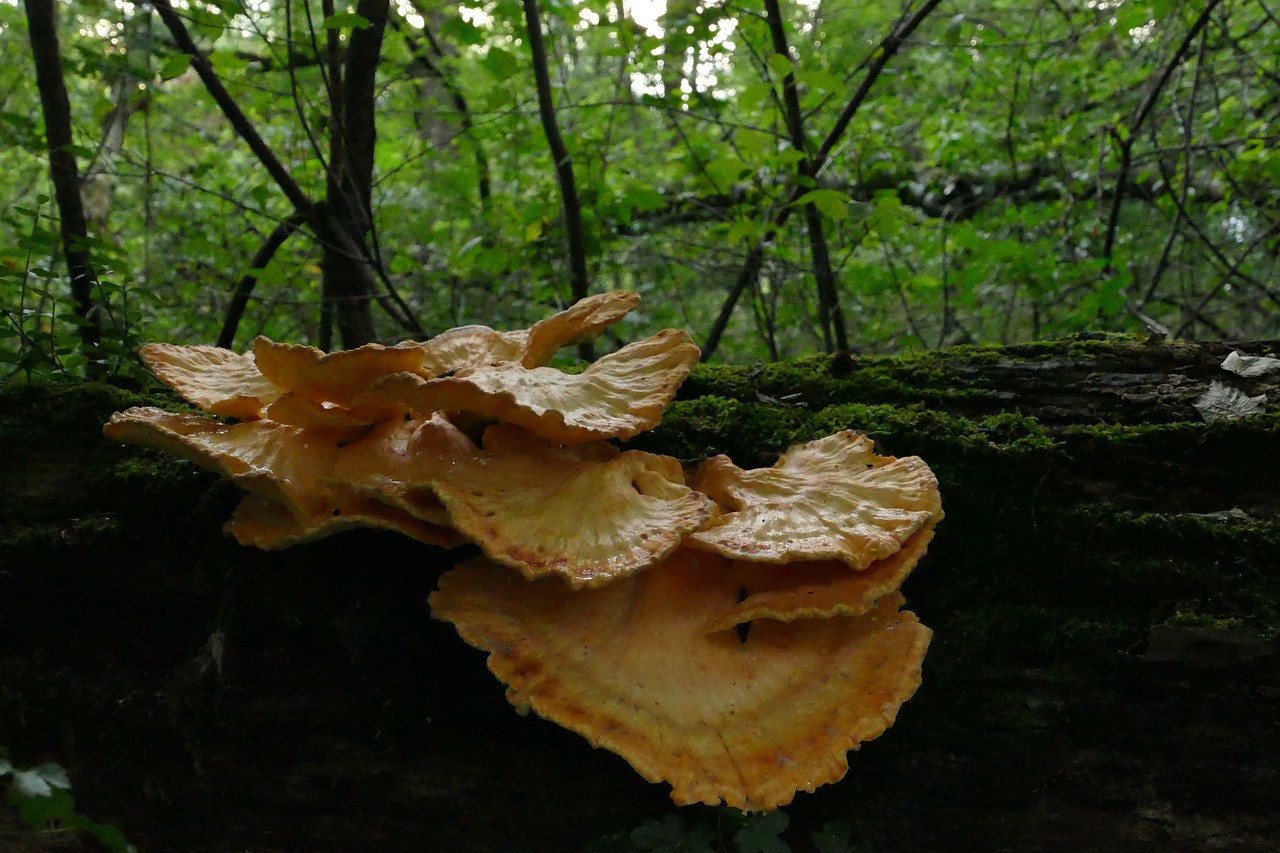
point(734, 636)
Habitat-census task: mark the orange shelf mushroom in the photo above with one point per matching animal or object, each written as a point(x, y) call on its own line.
point(619, 396)
point(829, 499)
point(734, 637)
point(632, 667)
point(217, 380)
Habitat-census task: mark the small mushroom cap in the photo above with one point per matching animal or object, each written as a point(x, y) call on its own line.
point(585, 319)
point(586, 513)
point(631, 667)
point(294, 410)
point(337, 377)
point(819, 589)
point(466, 347)
point(622, 394)
point(215, 379)
point(287, 467)
point(283, 463)
point(262, 523)
point(398, 462)
point(829, 499)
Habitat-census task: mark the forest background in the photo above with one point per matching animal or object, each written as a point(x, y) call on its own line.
point(778, 177)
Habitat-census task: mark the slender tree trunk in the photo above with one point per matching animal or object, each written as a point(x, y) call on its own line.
point(349, 190)
point(830, 317)
point(578, 278)
point(56, 106)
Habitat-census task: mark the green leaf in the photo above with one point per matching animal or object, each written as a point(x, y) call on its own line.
point(43, 812)
point(822, 81)
point(461, 32)
point(346, 20)
point(780, 66)
point(644, 198)
point(760, 833)
point(501, 64)
point(108, 836)
point(40, 781)
point(754, 96)
point(832, 838)
point(744, 231)
point(725, 171)
point(670, 835)
point(832, 203)
point(175, 66)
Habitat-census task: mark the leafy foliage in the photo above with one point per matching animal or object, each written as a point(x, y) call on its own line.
point(1018, 171)
point(41, 798)
point(726, 831)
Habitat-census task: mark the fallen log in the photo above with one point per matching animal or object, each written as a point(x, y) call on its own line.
point(1105, 592)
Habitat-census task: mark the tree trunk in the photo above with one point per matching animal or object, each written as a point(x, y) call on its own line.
point(43, 31)
point(349, 190)
point(1104, 593)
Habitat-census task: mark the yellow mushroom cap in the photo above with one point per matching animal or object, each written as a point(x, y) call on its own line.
point(622, 394)
point(632, 668)
point(585, 319)
point(586, 513)
point(466, 347)
point(818, 589)
point(829, 499)
point(260, 522)
point(217, 380)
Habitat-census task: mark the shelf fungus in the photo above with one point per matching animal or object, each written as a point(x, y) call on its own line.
point(632, 667)
point(619, 396)
point(734, 635)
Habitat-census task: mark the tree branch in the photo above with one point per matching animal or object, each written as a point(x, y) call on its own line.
point(239, 121)
point(244, 287)
point(1140, 116)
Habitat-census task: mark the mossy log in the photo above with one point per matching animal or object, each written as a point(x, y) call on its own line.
point(1105, 592)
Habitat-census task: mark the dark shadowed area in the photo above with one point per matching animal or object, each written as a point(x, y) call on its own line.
point(1104, 674)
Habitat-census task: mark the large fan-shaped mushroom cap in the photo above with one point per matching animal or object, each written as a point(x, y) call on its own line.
point(622, 394)
point(215, 379)
point(399, 462)
point(585, 512)
point(632, 668)
point(294, 410)
point(279, 462)
point(829, 499)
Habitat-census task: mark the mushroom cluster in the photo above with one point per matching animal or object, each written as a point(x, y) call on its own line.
point(731, 632)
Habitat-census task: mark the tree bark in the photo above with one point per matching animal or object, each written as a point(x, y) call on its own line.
point(63, 171)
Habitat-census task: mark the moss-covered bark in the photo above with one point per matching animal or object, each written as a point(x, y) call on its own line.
point(1105, 591)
